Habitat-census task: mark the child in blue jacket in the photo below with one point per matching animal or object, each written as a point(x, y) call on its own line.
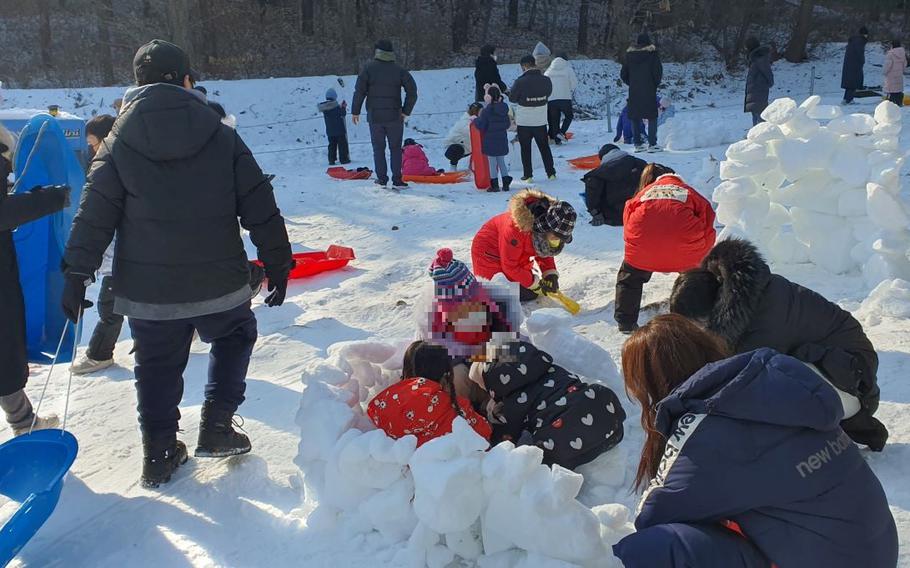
point(494, 122)
point(624, 127)
point(335, 129)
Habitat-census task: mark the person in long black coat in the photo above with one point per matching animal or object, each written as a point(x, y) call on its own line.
point(486, 72)
point(611, 184)
point(735, 295)
point(16, 210)
point(854, 59)
point(759, 80)
point(642, 71)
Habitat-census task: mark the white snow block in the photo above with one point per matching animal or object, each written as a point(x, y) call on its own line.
point(850, 166)
point(777, 216)
point(886, 144)
point(819, 148)
point(730, 169)
point(791, 155)
point(886, 210)
point(887, 113)
point(779, 111)
point(852, 203)
point(828, 238)
point(824, 112)
point(784, 248)
point(888, 178)
point(810, 103)
point(887, 129)
point(734, 189)
point(764, 132)
point(800, 126)
point(551, 330)
point(770, 180)
point(853, 124)
point(812, 191)
point(890, 298)
point(746, 151)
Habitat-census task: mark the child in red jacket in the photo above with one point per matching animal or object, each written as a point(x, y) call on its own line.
point(424, 403)
point(668, 227)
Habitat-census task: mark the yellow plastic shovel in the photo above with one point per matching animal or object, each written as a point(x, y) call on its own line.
point(568, 303)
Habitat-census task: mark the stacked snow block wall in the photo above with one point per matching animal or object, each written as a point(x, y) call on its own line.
point(828, 193)
point(451, 500)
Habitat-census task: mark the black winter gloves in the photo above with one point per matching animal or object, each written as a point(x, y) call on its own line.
point(74, 302)
point(278, 283)
point(549, 283)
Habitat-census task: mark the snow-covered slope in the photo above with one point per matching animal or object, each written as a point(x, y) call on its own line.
point(253, 510)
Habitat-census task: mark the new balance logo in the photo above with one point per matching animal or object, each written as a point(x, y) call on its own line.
point(822, 457)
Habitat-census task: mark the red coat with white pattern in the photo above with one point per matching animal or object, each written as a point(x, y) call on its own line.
point(668, 227)
point(504, 243)
point(422, 408)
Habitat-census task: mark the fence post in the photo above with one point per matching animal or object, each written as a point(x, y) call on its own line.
point(609, 110)
point(812, 81)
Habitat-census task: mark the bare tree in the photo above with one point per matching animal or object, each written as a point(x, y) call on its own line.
point(583, 8)
point(45, 38)
point(513, 13)
point(461, 23)
point(104, 10)
point(178, 20)
point(305, 16)
point(796, 48)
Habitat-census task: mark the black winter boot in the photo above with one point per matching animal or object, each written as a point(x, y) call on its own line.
point(217, 437)
point(506, 182)
point(597, 219)
point(494, 186)
point(163, 454)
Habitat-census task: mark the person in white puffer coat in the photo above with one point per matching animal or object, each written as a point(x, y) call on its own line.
point(559, 106)
point(458, 141)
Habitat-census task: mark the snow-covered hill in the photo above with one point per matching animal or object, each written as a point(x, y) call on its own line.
point(253, 510)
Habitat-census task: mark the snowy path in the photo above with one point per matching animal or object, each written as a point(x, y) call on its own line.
point(248, 511)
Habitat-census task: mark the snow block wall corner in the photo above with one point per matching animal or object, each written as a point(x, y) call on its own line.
point(449, 499)
point(828, 194)
point(44, 156)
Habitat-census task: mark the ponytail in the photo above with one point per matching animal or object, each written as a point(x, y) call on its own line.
point(650, 174)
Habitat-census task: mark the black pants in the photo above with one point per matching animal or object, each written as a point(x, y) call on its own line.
point(630, 283)
point(107, 330)
point(526, 294)
point(556, 111)
point(637, 133)
point(896, 98)
point(454, 153)
point(162, 349)
point(379, 134)
point(756, 117)
point(539, 135)
point(338, 148)
point(849, 94)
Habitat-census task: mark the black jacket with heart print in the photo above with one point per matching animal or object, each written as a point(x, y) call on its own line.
point(571, 421)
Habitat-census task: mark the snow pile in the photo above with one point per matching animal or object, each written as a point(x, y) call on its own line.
point(825, 194)
point(450, 499)
point(688, 132)
point(890, 299)
point(551, 330)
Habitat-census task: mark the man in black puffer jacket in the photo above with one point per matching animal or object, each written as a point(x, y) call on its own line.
point(380, 84)
point(171, 181)
point(759, 80)
point(486, 71)
point(735, 295)
point(610, 185)
point(642, 71)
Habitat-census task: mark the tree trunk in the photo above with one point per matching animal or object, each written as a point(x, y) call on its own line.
point(487, 16)
point(796, 48)
point(305, 17)
point(532, 15)
point(583, 9)
point(45, 37)
point(461, 24)
point(104, 12)
point(513, 13)
point(178, 19)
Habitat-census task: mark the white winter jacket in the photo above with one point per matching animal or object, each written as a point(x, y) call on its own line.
point(563, 78)
point(460, 133)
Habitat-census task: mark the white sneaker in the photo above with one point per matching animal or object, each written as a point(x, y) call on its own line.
point(641, 148)
point(88, 365)
point(46, 423)
point(654, 148)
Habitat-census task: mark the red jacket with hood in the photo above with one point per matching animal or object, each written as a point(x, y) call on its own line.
point(504, 243)
point(669, 227)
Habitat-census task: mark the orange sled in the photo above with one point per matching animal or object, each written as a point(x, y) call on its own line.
point(311, 263)
point(585, 162)
point(339, 172)
point(447, 177)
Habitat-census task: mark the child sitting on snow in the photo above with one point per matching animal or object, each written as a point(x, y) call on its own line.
point(624, 127)
point(573, 422)
point(494, 123)
point(414, 162)
point(424, 402)
point(335, 129)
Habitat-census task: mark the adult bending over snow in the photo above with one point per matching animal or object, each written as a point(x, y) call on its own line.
point(735, 295)
point(536, 226)
point(746, 461)
point(611, 184)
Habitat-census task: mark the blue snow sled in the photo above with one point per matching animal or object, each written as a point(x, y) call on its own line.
point(44, 156)
point(32, 468)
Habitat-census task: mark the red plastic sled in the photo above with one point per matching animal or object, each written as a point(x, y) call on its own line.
point(585, 162)
point(339, 172)
point(447, 177)
point(312, 263)
point(479, 163)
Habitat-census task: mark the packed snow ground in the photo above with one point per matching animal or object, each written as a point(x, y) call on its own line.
point(254, 510)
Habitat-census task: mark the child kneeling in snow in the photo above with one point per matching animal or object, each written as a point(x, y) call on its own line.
point(572, 421)
point(414, 162)
point(423, 403)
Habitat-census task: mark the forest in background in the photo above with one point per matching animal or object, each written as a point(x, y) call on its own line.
point(76, 43)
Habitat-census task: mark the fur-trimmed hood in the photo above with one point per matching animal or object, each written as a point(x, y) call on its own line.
point(743, 276)
point(519, 207)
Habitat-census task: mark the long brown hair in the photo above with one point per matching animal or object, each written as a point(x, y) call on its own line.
point(650, 174)
point(431, 362)
point(656, 359)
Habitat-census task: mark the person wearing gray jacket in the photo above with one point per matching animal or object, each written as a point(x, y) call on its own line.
point(759, 80)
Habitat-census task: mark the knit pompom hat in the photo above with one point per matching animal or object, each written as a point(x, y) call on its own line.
point(453, 280)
